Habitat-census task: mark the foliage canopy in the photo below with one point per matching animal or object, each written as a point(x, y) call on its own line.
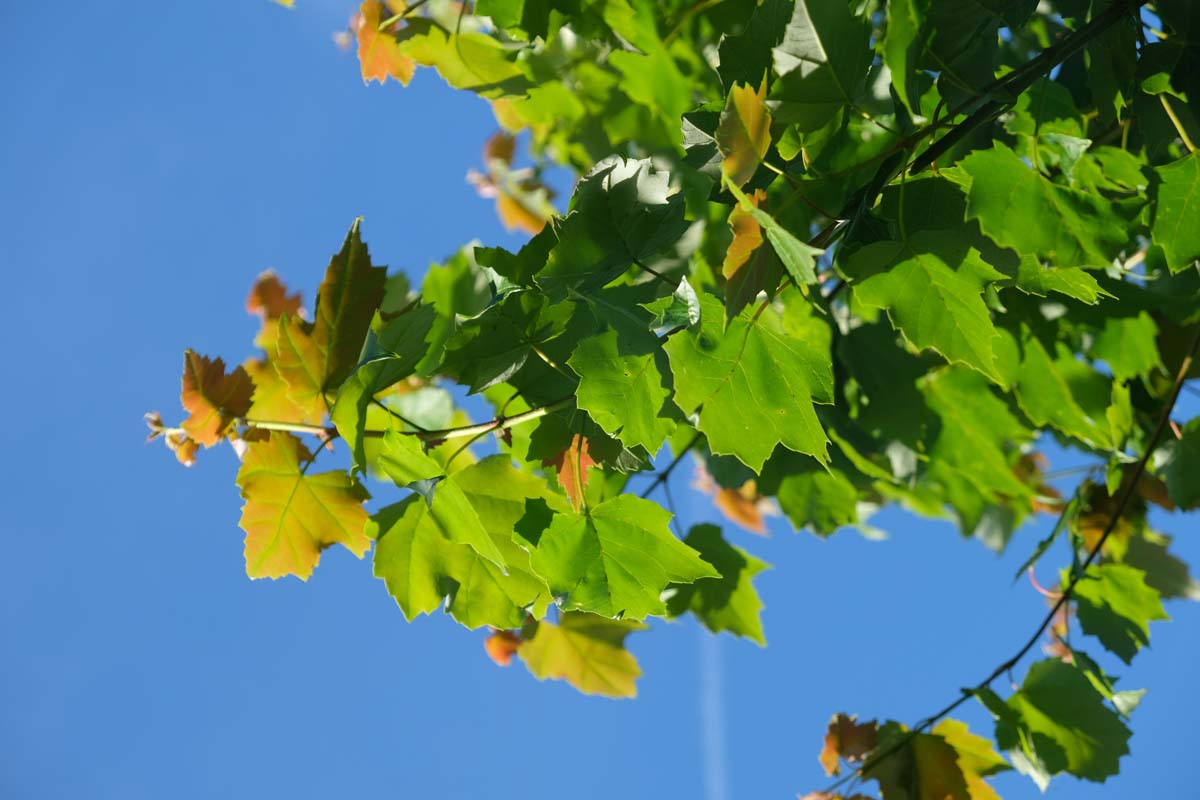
point(845, 253)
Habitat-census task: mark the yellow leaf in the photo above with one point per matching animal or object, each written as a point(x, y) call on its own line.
point(587, 651)
point(213, 398)
point(378, 52)
point(744, 132)
point(289, 517)
point(271, 401)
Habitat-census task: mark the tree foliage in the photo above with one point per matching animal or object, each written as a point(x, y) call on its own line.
point(845, 253)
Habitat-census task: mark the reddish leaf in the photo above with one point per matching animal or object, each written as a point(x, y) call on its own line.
point(501, 146)
point(572, 466)
point(742, 506)
point(849, 740)
point(378, 52)
point(269, 298)
point(501, 646)
point(212, 398)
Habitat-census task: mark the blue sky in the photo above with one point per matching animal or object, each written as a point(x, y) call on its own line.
point(156, 157)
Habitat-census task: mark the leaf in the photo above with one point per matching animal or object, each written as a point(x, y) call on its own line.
point(1019, 208)
point(269, 300)
point(1127, 345)
point(494, 346)
point(753, 384)
point(728, 602)
point(587, 652)
point(935, 305)
point(624, 378)
point(1065, 393)
point(1176, 210)
point(212, 398)
point(290, 516)
point(747, 57)
point(1165, 573)
point(822, 500)
point(623, 212)
point(799, 259)
point(849, 740)
point(903, 42)
point(572, 466)
point(744, 132)
point(925, 768)
point(821, 62)
point(1057, 722)
point(271, 400)
point(422, 566)
point(1115, 605)
point(501, 646)
point(391, 355)
point(680, 309)
point(379, 55)
point(615, 559)
point(1036, 279)
point(313, 359)
point(404, 460)
point(749, 267)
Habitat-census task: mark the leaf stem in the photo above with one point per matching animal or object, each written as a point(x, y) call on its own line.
point(1182, 131)
point(662, 476)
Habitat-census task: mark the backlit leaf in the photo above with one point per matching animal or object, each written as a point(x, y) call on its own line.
point(587, 652)
point(744, 133)
point(1175, 227)
point(1115, 605)
point(616, 558)
point(379, 54)
point(212, 398)
point(290, 516)
point(728, 602)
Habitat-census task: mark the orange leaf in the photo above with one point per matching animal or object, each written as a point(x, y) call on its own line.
point(500, 146)
point(213, 398)
point(269, 298)
point(378, 52)
point(513, 214)
point(290, 516)
point(847, 739)
point(501, 646)
point(741, 506)
point(572, 465)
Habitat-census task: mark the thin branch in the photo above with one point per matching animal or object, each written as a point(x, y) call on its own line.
point(1182, 131)
point(1130, 488)
point(443, 434)
point(397, 415)
point(662, 476)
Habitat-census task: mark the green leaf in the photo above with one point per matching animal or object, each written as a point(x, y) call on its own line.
point(1036, 279)
point(1165, 573)
point(418, 558)
point(680, 309)
point(624, 379)
point(752, 383)
point(798, 258)
point(1057, 722)
point(924, 768)
point(1064, 393)
point(391, 356)
point(1127, 345)
point(1182, 468)
point(586, 651)
point(623, 212)
point(1116, 606)
point(1176, 211)
point(821, 62)
point(744, 133)
point(404, 460)
point(1019, 208)
point(470, 61)
point(615, 559)
point(725, 603)
point(822, 500)
point(935, 305)
point(493, 346)
point(903, 43)
point(746, 58)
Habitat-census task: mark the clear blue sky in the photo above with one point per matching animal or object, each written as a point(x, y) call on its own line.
point(155, 158)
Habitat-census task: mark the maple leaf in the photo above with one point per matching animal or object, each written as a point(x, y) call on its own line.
point(378, 52)
point(585, 650)
point(269, 298)
point(849, 740)
point(213, 398)
point(744, 133)
point(501, 646)
point(572, 466)
point(290, 516)
point(749, 267)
